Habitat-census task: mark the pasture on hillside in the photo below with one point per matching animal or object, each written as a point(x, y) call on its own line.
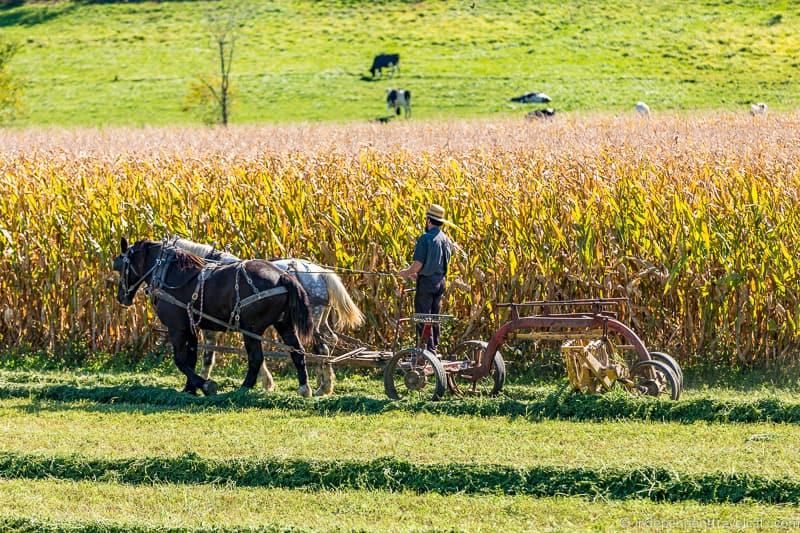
point(695, 219)
point(107, 63)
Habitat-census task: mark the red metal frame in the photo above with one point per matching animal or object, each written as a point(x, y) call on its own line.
point(597, 318)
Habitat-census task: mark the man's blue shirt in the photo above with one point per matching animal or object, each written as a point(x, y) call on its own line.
point(433, 251)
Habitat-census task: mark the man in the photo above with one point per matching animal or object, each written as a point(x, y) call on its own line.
point(431, 257)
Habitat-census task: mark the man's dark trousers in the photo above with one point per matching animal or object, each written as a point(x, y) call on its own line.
point(428, 299)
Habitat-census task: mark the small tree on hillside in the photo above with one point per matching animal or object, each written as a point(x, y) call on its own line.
point(213, 95)
point(10, 90)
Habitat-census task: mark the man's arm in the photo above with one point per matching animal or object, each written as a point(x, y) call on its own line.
point(420, 252)
point(412, 271)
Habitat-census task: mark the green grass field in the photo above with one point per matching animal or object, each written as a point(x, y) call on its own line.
point(132, 63)
point(160, 505)
point(80, 464)
point(124, 432)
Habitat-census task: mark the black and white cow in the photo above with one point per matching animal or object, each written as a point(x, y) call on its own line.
point(758, 109)
point(383, 61)
point(397, 98)
point(532, 98)
point(548, 112)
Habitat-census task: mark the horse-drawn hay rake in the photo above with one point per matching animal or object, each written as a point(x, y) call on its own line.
point(594, 346)
point(594, 340)
point(599, 351)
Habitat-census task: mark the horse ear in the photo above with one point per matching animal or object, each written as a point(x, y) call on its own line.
point(123, 244)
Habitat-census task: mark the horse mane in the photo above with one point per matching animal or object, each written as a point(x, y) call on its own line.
point(187, 260)
point(196, 248)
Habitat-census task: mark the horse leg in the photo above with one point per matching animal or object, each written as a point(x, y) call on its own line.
point(286, 331)
point(327, 331)
point(325, 376)
point(210, 338)
point(184, 344)
point(318, 314)
point(326, 380)
point(191, 355)
point(266, 377)
point(255, 359)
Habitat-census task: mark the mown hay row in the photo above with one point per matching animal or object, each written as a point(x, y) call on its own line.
point(31, 525)
point(558, 405)
point(391, 474)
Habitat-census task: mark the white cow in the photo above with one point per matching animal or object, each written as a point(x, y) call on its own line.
point(758, 109)
point(397, 98)
point(643, 109)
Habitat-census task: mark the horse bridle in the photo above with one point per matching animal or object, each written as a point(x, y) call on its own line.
point(160, 275)
point(127, 268)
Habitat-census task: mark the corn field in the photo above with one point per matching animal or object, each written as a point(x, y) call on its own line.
point(695, 219)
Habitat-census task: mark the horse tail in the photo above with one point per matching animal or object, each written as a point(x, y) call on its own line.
point(348, 315)
point(299, 309)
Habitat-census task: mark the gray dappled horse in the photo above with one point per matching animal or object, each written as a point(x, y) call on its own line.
point(326, 293)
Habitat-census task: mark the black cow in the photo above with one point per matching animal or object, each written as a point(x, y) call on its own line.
point(383, 61)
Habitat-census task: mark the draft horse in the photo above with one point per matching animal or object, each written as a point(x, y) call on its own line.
point(326, 294)
point(188, 294)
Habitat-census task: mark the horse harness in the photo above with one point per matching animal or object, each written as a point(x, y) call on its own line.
point(157, 290)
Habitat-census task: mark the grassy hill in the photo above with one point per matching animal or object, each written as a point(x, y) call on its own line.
point(132, 63)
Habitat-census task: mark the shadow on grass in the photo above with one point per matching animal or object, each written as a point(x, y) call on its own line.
point(152, 400)
point(16, 13)
point(560, 404)
point(26, 13)
point(786, 379)
point(48, 406)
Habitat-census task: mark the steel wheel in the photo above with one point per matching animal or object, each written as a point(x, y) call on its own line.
point(673, 364)
point(655, 377)
point(416, 374)
point(470, 354)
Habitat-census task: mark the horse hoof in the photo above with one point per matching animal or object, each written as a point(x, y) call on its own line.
point(209, 388)
point(268, 385)
point(305, 391)
point(190, 392)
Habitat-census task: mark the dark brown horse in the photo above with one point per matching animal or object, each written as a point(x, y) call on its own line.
point(248, 296)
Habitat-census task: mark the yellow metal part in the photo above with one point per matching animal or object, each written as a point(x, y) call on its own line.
point(593, 366)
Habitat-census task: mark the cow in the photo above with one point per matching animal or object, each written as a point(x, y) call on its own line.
point(383, 61)
point(643, 109)
point(547, 112)
point(531, 98)
point(397, 98)
point(758, 109)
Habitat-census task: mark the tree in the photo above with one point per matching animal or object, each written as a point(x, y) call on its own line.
point(10, 90)
point(213, 95)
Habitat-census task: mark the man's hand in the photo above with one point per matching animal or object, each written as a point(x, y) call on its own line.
point(411, 271)
point(407, 273)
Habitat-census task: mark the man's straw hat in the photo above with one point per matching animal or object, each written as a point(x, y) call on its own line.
point(436, 213)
